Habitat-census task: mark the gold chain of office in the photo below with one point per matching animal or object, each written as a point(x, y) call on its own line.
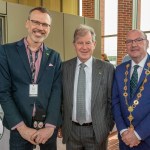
point(138, 96)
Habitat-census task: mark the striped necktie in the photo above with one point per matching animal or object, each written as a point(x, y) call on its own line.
point(134, 81)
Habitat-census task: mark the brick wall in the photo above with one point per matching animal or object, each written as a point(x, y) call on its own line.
point(88, 8)
point(102, 18)
point(124, 25)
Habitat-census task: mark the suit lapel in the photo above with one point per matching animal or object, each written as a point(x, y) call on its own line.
point(96, 79)
point(143, 74)
point(45, 56)
point(24, 57)
point(142, 77)
point(71, 76)
point(128, 77)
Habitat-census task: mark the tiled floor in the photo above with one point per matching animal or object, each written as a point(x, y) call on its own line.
point(113, 142)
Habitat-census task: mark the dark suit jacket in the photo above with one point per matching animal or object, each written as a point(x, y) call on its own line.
point(102, 75)
point(15, 77)
point(141, 113)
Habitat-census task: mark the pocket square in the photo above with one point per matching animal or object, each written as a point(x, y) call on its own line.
point(50, 65)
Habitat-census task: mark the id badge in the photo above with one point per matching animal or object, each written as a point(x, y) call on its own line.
point(33, 90)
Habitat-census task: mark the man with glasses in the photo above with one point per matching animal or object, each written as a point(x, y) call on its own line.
point(130, 96)
point(30, 86)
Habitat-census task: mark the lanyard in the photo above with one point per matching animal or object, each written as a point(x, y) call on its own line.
point(32, 64)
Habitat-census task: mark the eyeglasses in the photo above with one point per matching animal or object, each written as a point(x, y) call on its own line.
point(37, 23)
point(137, 41)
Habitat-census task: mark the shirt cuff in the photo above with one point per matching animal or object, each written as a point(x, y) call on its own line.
point(136, 134)
point(139, 138)
point(50, 125)
point(123, 130)
point(18, 125)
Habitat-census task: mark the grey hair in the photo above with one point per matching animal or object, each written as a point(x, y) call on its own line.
point(82, 30)
point(41, 9)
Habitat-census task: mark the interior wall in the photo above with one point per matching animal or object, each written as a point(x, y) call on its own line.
point(70, 24)
point(16, 17)
point(96, 25)
point(54, 5)
point(62, 29)
point(55, 38)
point(70, 7)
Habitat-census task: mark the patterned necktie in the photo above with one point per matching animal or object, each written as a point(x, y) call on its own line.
point(32, 64)
point(81, 88)
point(134, 80)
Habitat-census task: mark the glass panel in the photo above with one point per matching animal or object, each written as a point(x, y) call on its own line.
point(145, 21)
point(111, 10)
point(148, 37)
point(110, 44)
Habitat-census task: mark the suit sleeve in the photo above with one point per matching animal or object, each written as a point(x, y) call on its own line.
point(116, 106)
point(11, 113)
point(143, 128)
point(53, 109)
point(110, 80)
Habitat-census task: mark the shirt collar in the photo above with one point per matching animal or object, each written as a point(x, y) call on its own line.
point(88, 63)
point(27, 44)
point(141, 63)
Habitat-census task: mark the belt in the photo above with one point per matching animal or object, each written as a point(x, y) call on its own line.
point(84, 124)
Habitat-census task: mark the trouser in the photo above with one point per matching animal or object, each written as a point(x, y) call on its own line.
point(83, 138)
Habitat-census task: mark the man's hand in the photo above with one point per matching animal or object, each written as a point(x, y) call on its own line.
point(42, 135)
point(26, 133)
point(59, 135)
point(129, 138)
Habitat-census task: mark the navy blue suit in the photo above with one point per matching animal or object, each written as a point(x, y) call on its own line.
point(141, 113)
point(15, 77)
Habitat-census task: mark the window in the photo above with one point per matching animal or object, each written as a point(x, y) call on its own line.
point(110, 31)
point(145, 21)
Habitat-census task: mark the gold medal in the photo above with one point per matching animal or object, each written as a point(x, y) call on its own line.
point(130, 117)
point(139, 95)
point(131, 126)
point(136, 102)
point(142, 88)
point(147, 72)
point(126, 73)
point(125, 94)
point(130, 108)
point(125, 88)
point(125, 80)
point(148, 64)
point(145, 80)
point(127, 66)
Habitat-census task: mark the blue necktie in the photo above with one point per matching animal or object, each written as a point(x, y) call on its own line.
point(134, 81)
point(81, 88)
